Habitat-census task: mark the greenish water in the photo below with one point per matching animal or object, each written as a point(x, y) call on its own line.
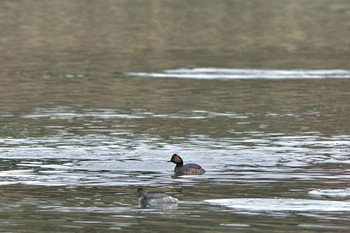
point(86, 119)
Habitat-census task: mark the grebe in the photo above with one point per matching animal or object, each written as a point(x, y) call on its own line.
point(155, 199)
point(185, 169)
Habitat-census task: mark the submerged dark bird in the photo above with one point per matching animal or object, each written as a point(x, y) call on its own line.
point(155, 199)
point(185, 169)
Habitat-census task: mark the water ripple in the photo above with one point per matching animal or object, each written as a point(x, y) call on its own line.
point(110, 161)
point(234, 74)
point(330, 192)
point(267, 204)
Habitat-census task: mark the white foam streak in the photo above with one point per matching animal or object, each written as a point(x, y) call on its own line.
point(330, 192)
point(236, 74)
point(281, 204)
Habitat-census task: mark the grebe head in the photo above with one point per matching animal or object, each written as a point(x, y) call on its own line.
point(141, 192)
point(176, 159)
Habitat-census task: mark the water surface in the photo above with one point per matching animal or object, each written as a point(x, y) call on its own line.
point(96, 97)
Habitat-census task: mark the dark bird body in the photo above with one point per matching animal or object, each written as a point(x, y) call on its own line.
point(185, 169)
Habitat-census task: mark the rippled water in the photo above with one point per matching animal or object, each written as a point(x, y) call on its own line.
point(234, 74)
point(95, 99)
point(87, 162)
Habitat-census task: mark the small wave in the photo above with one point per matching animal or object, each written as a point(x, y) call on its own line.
point(239, 74)
point(331, 192)
point(282, 204)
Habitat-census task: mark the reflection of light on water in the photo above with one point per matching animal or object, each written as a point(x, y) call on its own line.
point(331, 192)
point(160, 206)
point(110, 114)
point(101, 150)
point(100, 160)
point(87, 209)
point(280, 204)
point(232, 74)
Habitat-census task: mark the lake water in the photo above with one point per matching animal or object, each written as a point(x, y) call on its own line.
point(96, 96)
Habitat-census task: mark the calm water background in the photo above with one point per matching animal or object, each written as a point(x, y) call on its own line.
point(78, 135)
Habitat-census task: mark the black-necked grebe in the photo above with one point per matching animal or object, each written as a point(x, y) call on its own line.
point(186, 169)
point(155, 199)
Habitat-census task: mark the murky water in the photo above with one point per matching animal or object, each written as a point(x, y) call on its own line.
point(96, 97)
